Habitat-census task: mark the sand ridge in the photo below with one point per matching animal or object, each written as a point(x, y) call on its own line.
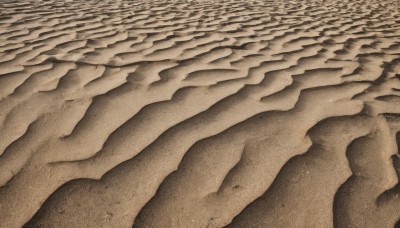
point(199, 114)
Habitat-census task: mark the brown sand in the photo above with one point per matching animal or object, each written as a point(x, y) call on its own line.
point(230, 113)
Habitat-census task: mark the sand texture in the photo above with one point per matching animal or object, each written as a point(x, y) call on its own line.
point(191, 114)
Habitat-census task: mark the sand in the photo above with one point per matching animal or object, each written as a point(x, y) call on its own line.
point(230, 113)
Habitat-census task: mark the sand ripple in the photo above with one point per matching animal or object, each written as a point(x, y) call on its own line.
point(199, 114)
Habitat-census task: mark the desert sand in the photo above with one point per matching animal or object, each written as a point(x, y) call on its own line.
point(231, 113)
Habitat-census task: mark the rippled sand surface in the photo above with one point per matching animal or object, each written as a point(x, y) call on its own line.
point(199, 114)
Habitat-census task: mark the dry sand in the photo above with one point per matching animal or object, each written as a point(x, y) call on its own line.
point(234, 113)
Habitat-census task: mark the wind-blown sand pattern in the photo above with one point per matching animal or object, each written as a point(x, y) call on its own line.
point(199, 114)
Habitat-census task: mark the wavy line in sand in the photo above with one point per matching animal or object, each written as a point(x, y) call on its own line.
point(212, 114)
